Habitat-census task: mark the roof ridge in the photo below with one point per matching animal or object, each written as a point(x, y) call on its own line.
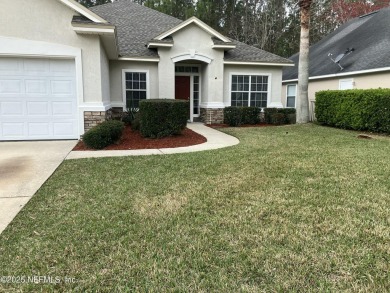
point(143, 7)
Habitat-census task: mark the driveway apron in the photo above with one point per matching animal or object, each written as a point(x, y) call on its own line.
point(24, 167)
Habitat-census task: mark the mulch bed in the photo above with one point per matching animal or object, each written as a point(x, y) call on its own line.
point(243, 125)
point(132, 140)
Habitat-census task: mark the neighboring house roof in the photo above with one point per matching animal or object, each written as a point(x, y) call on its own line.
point(138, 25)
point(368, 35)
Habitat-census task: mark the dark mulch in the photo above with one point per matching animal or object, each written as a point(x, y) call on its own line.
point(132, 140)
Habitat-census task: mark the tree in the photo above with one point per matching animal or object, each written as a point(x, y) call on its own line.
point(90, 3)
point(303, 68)
point(344, 10)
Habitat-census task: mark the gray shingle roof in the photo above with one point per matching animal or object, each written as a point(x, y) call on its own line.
point(370, 37)
point(137, 25)
point(244, 52)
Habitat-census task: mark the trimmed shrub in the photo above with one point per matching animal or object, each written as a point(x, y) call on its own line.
point(280, 116)
point(367, 110)
point(127, 119)
point(163, 117)
point(235, 116)
point(250, 115)
point(232, 116)
point(103, 134)
point(136, 123)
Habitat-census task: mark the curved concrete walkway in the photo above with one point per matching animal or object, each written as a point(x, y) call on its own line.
point(215, 140)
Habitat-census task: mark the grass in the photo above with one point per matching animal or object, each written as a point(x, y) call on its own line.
point(294, 208)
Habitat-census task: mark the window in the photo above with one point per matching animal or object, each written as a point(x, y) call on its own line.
point(187, 69)
point(291, 94)
point(136, 88)
point(346, 84)
point(196, 95)
point(249, 90)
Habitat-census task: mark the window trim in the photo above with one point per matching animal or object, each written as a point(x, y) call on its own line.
point(124, 89)
point(269, 91)
point(345, 80)
point(296, 93)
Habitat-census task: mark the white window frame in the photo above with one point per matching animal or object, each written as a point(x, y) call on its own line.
point(296, 91)
point(347, 80)
point(249, 92)
point(124, 89)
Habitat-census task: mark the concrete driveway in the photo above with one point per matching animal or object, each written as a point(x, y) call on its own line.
point(24, 167)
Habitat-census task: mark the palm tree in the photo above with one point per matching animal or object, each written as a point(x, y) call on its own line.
point(303, 69)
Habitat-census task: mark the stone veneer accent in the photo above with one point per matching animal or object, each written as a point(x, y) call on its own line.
point(94, 118)
point(211, 116)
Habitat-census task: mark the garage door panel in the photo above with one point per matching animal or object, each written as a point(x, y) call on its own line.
point(64, 128)
point(62, 87)
point(9, 65)
point(12, 108)
point(62, 67)
point(38, 109)
point(38, 99)
point(38, 129)
point(63, 108)
point(36, 65)
point(37, 86)
point(13, 130)
point(10, 86)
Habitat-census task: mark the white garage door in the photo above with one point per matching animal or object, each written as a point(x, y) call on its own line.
point(38, 99)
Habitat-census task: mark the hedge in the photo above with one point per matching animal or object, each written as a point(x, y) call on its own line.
point(163, 117)
point(232, 116)
point(367, 110)
point(235, 116)
point(280, 116)
point(103, 134)
point(250, 115)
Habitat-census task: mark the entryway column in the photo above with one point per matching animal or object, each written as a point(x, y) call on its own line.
point(166, 75)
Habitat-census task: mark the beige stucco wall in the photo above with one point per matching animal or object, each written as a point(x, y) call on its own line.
point(275, 73)
point(194, 38)
point(116, 83)
point(105, 75)
point(361, 81)
point(50, 21)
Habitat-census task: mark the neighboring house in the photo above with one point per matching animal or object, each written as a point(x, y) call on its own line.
point(366, 65)
point(64, 67)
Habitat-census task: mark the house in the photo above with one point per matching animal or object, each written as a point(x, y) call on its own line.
point(354, 56)
point(63, 67)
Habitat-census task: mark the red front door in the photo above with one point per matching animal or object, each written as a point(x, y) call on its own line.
point(182, 87)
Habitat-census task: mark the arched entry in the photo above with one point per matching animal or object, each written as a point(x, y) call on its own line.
point(188, 69)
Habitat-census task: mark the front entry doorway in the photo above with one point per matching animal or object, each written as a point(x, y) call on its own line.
point(187, 87)
point(183, 88)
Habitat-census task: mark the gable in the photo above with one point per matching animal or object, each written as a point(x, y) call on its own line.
point(192, 37)
point(193, 21)
point(42, 20)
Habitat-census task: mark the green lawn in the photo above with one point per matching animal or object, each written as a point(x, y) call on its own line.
point(293, 208)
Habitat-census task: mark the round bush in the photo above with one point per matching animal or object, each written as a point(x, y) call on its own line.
point(163, 117)
point(103, 134)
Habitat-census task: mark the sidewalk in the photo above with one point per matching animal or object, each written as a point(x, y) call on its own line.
point(215, 140)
